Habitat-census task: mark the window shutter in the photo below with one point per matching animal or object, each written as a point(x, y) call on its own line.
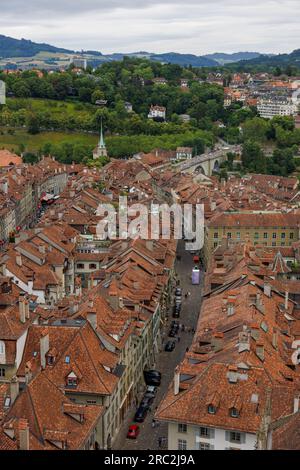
point(227, 436)
point(211, 433)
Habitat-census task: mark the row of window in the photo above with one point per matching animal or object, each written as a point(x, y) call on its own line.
point(233, 437)
point(82, 266)
point(257, 235)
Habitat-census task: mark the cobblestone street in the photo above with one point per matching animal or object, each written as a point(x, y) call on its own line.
point(167, 361)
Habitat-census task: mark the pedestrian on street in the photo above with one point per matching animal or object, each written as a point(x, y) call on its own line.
point(182, 328)
point(153, 423)
point(159, 442)
point(178, 339)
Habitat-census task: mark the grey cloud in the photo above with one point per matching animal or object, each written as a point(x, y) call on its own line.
point(196, 26)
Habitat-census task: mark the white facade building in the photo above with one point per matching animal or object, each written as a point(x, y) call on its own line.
point(157, 112)
point(268, 108)
point(189, 437)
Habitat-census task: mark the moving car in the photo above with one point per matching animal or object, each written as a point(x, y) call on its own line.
point(170, 346)
point(133, 431)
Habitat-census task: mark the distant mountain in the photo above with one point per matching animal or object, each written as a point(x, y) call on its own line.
point(10, 47)
point(184, 59)
point(224, 59)
point(279, 60)
point(168, 57)
point(23, 48)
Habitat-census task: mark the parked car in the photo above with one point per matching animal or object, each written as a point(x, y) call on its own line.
point(147, 400)
point(170, 346)
point(175, 325)
point(152, 377)
point(176, 314)
point(151, 389)
point(152, 372)
point(172, 333)
point(178, 291)
point(133, 431)
point(141, 414)
point(176, 308)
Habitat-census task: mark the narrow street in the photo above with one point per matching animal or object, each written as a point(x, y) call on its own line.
point(167, 361)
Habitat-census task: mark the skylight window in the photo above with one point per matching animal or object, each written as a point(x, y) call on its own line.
point(67, 360)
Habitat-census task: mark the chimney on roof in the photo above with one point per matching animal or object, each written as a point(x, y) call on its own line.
point(296, 404)
point(275, 338)
point(4, 186)
point(14, 389)
point(286, 300)
point(44, 347)
point(213, 206)
point(19, 259)
point(176, 381)
point(267, 289)
point(260, 351)
point(254, 331)
point(230, 309)
point(42, 249)
point(24, 434)
point(22, 309)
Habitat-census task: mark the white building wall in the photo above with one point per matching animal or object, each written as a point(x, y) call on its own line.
point(20, 348)
point(217, 441)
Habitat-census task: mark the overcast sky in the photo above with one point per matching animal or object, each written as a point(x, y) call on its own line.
point(190, 26)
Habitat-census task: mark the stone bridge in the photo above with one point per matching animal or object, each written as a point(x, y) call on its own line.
point(208, 162)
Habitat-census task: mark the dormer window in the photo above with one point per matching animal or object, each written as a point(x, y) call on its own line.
point(72, 380)
point(211, 409)
point(234, 413)
point(50, 360)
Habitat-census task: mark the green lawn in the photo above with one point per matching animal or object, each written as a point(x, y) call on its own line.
point(34, 142)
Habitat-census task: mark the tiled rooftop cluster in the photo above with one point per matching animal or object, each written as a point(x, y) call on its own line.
point(80, 317)
point(239, 374)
